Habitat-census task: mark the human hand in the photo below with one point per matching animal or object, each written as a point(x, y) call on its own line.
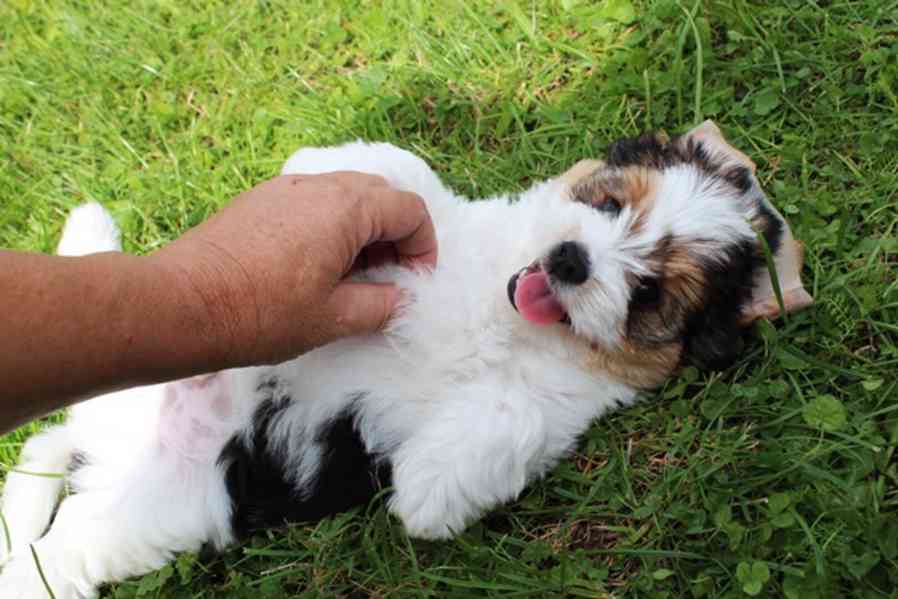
point(268, 272)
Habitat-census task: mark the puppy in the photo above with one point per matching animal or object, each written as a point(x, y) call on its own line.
point(543, 314)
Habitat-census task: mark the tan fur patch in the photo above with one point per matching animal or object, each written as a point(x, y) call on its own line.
point(683, 277)
point(634, 186)
point(638, 367)
point(653, 345)
point(682, 286)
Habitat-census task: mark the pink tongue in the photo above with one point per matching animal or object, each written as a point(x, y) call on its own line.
point(535, 301)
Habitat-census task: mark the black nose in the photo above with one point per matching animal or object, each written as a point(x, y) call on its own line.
point(569, 263)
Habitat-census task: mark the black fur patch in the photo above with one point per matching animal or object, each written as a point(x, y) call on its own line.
point(713, 337)
point(262, 492)
point(650, 149)
point(739, 177)
point(653, 151)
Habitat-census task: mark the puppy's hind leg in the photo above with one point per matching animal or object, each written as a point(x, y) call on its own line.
point(32, 489)
point(130, 523)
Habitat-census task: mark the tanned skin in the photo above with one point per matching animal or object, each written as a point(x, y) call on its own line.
point(260, 282)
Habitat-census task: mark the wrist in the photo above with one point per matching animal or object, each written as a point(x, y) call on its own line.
point(160, 331)
point(211, 308)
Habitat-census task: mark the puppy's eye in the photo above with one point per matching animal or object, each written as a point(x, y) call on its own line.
point(608, 205)
point(647, 292)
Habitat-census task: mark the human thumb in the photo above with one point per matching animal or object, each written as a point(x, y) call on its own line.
point(362, 308)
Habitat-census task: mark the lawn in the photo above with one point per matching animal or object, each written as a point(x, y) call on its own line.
point(777, 477)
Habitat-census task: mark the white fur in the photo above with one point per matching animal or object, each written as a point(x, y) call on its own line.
point(468, 400)
point(89, 230)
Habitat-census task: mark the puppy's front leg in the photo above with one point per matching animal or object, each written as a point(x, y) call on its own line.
point(475, 453)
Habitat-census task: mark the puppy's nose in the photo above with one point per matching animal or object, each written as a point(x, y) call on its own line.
point(569, 263)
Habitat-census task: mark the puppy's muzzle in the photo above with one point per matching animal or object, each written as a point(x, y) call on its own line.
point(567, 264)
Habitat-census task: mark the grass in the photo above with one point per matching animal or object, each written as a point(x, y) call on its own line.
point(775, 478)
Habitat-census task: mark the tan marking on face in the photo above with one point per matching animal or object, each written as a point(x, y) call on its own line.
point(652, 347)
point(683, 276)
point(682, 282)
point(633, 186)
point(642, 368)
point(641, 192)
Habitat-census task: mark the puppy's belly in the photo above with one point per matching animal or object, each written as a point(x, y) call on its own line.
point(195, 419)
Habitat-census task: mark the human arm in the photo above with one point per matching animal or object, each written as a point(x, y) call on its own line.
point(259, 282)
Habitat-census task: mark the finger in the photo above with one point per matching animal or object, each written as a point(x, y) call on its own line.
point(361, 308)
point(402, 218)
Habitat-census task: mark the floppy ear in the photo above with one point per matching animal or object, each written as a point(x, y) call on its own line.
point(789, 253)
point(579, 170)
point(712, 140)
point(787, 261)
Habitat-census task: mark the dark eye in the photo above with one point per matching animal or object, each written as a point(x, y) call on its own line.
point(609, 205)
point(648, 291)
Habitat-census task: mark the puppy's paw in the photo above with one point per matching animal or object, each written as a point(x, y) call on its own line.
point(21, 579)
point(432, 505)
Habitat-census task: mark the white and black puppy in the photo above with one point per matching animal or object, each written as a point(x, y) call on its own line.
point(543, 313)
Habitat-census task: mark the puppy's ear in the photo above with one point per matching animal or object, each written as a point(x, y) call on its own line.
point(788, 253)
point(579, 170)
point(787, 260)
point(712, 140)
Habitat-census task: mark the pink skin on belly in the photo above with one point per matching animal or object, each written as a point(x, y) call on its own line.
point(195, 415)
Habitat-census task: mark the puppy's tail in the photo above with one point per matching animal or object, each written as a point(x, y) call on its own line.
point(88, 230)
point(32, 489)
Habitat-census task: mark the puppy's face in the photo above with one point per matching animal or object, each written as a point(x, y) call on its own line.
point(656, 257)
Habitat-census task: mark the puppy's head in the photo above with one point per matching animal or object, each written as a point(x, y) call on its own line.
point(656, 257)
